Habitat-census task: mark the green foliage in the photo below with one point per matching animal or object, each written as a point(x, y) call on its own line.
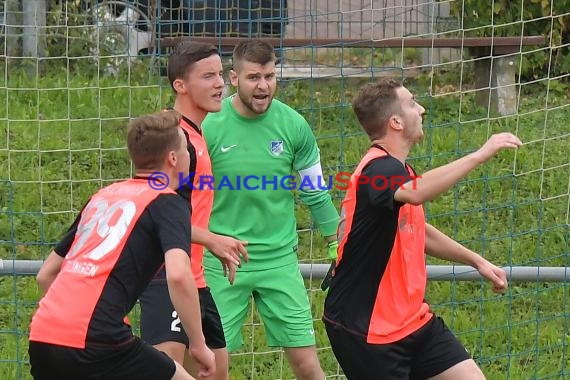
point(522, 17)
point(63, 138)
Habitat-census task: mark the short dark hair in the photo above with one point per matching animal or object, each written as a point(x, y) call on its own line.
point(375, 104)
point(151, 137)
point(184, 55)
point(256, 51)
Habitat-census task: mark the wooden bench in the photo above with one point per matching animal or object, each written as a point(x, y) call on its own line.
point(495, 69)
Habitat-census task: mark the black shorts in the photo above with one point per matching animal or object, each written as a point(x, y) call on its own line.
point(423, 354)
point(160, 323)
point(133, 360)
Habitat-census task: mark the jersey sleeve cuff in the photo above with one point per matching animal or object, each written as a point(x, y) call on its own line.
point(177, 246)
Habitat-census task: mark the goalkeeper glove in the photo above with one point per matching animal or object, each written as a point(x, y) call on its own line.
point(333, 247)
point(332, 252)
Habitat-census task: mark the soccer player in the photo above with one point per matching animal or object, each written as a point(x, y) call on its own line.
point(195, 74)
point(256, 136)
point(95, 274)
point(375, 314)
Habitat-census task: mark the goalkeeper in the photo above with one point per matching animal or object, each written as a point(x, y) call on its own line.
point(258, 136)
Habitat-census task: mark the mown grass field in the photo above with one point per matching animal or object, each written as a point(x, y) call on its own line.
point(62, 137)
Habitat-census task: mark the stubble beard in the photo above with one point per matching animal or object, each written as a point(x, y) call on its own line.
point(249, 104)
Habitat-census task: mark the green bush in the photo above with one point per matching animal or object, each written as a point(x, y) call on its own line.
point(527, 17)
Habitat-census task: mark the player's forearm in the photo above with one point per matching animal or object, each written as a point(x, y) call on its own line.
point(45, 282)
point(436, 181)
point(322, 210)
point(184, 296)
point(49, 271)
point(441, 246)
point(201, 236)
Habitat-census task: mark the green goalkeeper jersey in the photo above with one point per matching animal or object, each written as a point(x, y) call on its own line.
point(253, 163)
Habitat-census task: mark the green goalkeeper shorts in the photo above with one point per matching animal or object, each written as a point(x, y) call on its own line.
point(281, 300)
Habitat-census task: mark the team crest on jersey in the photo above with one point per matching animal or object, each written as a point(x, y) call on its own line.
point(276, 147)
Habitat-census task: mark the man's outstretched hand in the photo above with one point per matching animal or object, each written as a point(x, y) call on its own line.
point(496, 275)
point(496, 143)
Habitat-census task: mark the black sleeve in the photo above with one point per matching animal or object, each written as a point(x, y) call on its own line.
point(170, 214)
point(386, 175)
point(65, 243)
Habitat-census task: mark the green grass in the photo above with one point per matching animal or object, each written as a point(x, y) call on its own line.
point(62, 137)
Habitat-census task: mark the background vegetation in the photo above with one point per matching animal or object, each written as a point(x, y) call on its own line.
point(484, 18)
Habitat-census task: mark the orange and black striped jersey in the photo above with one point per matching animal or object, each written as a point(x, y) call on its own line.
point(380, 276)
point(111, 252)
point(198, 190)
point(201, 196)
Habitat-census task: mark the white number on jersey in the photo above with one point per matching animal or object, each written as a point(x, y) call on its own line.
point(95, 224)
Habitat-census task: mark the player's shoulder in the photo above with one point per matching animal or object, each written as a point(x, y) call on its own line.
point(169, 202)
point(384, 164)
point(288, 116)
point(280, 106)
